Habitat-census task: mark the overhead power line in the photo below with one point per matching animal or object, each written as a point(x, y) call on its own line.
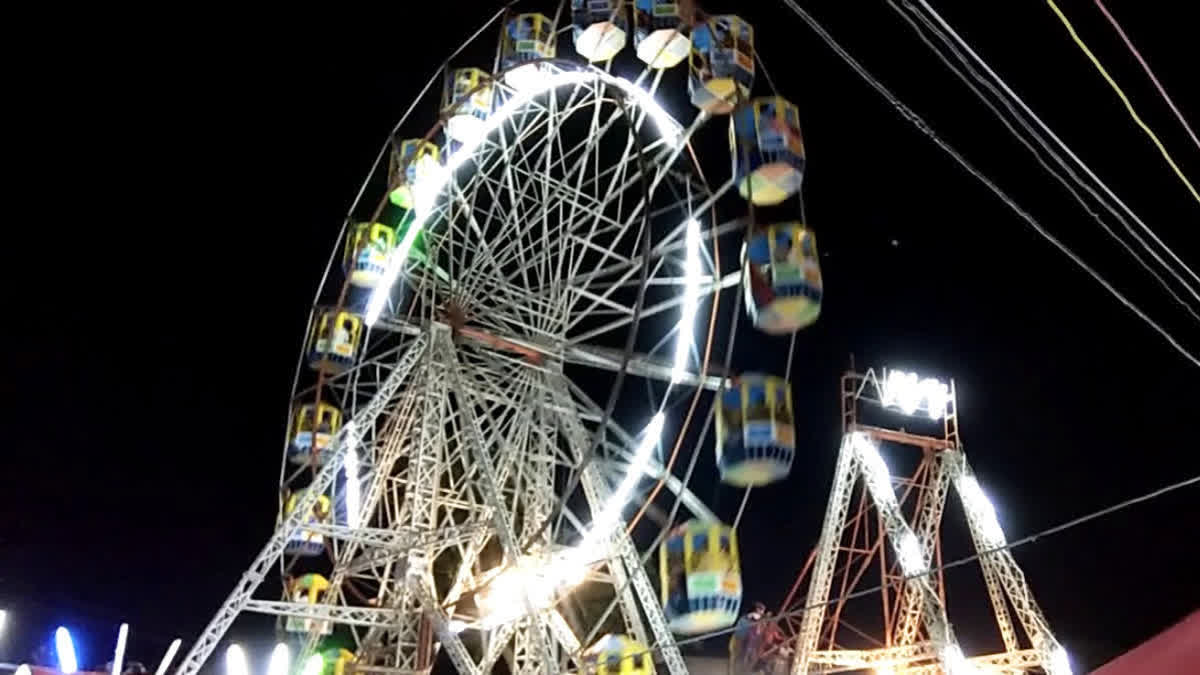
point(1014, 116)
point(1145, 66)
point(1124, 99)
point(1058, 141)
point(921, 124)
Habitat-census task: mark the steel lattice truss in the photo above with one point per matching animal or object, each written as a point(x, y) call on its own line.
point(479, 393)
point(892, 523)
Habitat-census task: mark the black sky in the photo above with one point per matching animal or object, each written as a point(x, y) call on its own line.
point(195, 169)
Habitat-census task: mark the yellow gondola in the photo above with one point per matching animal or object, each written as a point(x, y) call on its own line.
point(768, 151)
point(781, 275)
point(661, 31)
point(333, 346)
point(756, 437)
point(600, 28)
point(527, 38)
point(312, 425)
point(701, 577)
point(342, 660)
point(721, 65)
point(367, 248)
point(618, 655)
point(307, 589)
point(414, 161)
point(466, 103)
point(306, 542)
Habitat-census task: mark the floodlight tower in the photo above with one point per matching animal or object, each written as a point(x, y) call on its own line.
point(884, 521)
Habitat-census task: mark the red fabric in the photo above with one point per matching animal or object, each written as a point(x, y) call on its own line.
point(1175, 651)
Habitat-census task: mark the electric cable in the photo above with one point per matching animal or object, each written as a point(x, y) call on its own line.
point(1124, 99)
point(1070, 153)
point(908, 114)
point(1048, 149)
point(959, 562)
point(1146, 66)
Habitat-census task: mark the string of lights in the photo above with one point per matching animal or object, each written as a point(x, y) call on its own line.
point(1014, 117)
point(918, 121)
point(1124, 99)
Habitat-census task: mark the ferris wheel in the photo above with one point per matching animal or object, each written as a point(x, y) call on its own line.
point(517, 340)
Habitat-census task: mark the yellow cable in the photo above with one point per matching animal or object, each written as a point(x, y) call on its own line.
point(1124, 98)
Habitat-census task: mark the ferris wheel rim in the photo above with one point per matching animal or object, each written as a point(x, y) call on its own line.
point(600, 75)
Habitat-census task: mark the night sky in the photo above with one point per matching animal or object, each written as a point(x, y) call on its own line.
point(193, 182)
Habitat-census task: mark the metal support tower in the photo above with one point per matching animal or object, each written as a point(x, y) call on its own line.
point(884, 520)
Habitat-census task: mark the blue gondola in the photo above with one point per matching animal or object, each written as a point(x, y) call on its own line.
point(527, 39)
point(661, 31)
point(767, 149)
point(701, 577)
point(781, 275)
point(721, 65)
point(466, 103)
point(755, 431)
point(756, 437)
point(600, 28)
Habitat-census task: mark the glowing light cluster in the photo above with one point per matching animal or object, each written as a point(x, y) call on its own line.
point(691, 301)
point(23, 669)
point(168, 657)
point(912, 559)
point(875, 470)
point(280, 660)
point(1060, 663)
point(956, 663)
point(235, 661)
point(119, 655)
point(426, 190)
point(65, 648)
point(542, 578)
point(909, 394)
point(314, 665)
point(981, 507)
point(3, 621)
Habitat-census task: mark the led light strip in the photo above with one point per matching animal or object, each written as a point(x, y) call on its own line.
point(425, 192)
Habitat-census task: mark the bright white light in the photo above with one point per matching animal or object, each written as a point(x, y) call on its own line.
point(426, 190)
point(612, 510)
point(455, 626)
point(691, 301)
point(875, 470)
point(235, 661)
point(23, 669)
point(912, 559)
point(314, 665)
point(985, 514)
point(168, 657)
point(884, 670)
point(119, 655)
point(278, 665)
point(67, 663)
point(350, 465)
point(909, 393)
point(956, 663)
point(937, 396)
point(903, 390)
point(1060, 663)
point(540, 578)
point(3, 621)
